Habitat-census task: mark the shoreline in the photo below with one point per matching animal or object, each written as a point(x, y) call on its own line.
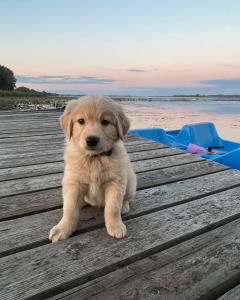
point(45, 103)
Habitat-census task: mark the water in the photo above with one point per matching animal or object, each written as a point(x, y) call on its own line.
point(174, 114)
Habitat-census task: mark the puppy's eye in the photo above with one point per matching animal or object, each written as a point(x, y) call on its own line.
point(81, 121)
point(105, 122)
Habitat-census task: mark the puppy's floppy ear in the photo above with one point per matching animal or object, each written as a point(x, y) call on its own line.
point(65, 119)
point(66, 124)
point(123, 122)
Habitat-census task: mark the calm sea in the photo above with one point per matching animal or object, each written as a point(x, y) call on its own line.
point(174, 114)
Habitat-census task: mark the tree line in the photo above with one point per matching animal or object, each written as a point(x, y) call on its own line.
point(7, 79)
point(8, 86)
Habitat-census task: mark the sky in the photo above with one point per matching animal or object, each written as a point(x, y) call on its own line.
point(127, 47)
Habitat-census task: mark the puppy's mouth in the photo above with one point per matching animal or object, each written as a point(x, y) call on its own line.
point(97, 153)
point(91, 148)
point(92, 152)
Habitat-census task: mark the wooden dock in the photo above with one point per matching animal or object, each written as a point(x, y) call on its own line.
point(183, 238)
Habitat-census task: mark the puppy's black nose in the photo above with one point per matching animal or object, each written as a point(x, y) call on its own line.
point(92, 141)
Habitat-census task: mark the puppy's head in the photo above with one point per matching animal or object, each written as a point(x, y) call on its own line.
point(94, 123)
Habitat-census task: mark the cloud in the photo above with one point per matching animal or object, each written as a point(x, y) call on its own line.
point(228, 65)
point(233, 83)
point(228, 88)
point(64, 79)
point(148, 91)
point(137, 70)
point(64, 84)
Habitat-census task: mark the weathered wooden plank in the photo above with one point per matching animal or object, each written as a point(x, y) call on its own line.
point(32, 170)
point(32, 158)
point(21, 149)
point(178, 191)
point(3, 136)
point(159, 152)
point(29, 184)
point(27, 147)
point(13, 147)
point(233, 294)
point(27, 142)
point(57, 267)
point(28, 114)
point(41, 123)
point(164, 162)
point(57, 166)
point(24, 204)
point(49, 139)
point(36, 126)
point(42, 130)
point(149, 145)
point(133, 138)
point(18, 116)
point(32, 138)
point(39, 126)
point(23, 156)
point(21, 116)
point(29, 128)
point(25, 119)
point(161, 176)
point(49, 133)
point(155, 153)
point(145, 179)
point(201, 268)
point(42, 157)
point(35, 123)
point(31, 230)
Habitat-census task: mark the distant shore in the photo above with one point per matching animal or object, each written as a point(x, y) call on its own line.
point(178, 98)
point(29, 102)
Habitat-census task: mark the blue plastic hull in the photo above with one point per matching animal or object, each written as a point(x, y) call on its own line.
point(202, 134)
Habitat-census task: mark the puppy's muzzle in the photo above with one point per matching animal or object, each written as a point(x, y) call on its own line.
point(92, 141)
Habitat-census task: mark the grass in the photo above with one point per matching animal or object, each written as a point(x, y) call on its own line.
point(12, 102)
point(14, 99)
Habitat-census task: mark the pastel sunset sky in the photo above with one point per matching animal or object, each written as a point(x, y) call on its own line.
point(136, 47)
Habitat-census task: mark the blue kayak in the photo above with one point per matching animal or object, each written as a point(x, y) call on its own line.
point(202, 134)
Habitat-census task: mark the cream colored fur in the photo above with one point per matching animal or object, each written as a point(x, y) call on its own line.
point(90, 177)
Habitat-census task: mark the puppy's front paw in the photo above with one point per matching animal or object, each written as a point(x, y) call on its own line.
point(60, 232)
point(117, 230)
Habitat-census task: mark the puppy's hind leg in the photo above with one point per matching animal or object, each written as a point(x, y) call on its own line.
point(130, 191)
point(125, 207)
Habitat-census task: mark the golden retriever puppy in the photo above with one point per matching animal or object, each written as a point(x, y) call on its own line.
point(97, 168)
